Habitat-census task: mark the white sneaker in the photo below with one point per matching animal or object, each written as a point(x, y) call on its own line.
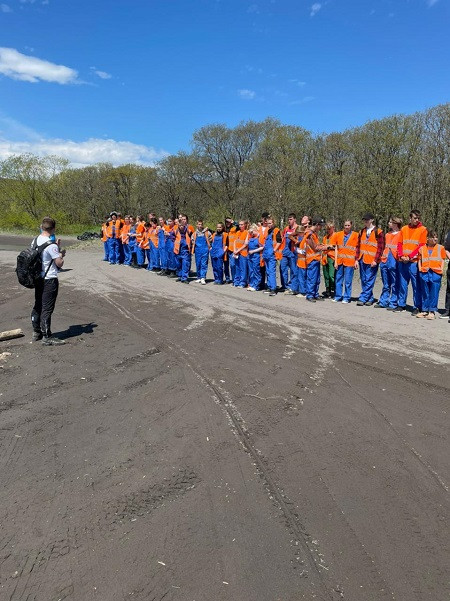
point(250, 289)
point(335, 300)
point(203, 282)
point(197, 281)
point(345, 302)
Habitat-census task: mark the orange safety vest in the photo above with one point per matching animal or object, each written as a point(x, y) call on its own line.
point(153, 235)
point(239, 241)
point(312, 255)
point(104, 236)
point(124, 234)
point(435, 261)
point(231, 238)
point(346, 253)
point(368, 246)
point(328, 253)
point(194, 238)
point(391, 244)
point(189, 233)
point(411, 238)
point(301, 256)
point(109, 229)
point(145, 240)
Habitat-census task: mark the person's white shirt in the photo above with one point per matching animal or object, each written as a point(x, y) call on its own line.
point(49, 253)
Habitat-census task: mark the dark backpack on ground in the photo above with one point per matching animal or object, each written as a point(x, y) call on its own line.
point(29, 264)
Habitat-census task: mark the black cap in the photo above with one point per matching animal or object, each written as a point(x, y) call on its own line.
point(113, 213)
point(368, 216)
point(318, 220)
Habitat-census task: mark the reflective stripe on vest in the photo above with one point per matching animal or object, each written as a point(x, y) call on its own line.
point(411, 238)
point(346, 253)
point(239, 241)
point(187, 235)
point(312, 255)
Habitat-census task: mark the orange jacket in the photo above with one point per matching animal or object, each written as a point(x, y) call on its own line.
point(153, 235)
point(140, 230)
point(239, 241)
point(434, 261)
point(301, 252)
point(391, 245)
point(410, 241)
point(231, 238)
point(263, 238)
point(113, 226)
point(346, 254)
point(189, 233)
point(104, 236)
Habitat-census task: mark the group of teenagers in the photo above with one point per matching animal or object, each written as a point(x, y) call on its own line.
point(247, 255)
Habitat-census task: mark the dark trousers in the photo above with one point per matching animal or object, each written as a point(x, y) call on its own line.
point(45, 294)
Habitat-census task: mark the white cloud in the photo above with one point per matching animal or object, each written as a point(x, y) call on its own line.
point(101, 74)
point(5, 8)
point(81, 154)
point(315, 9)
point(247, 94)
point(29, 68)
point(303, 100)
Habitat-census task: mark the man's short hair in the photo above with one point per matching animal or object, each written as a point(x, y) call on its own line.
point(48, 224)
point(265, 215)
point(415, 212)
point(292, 215)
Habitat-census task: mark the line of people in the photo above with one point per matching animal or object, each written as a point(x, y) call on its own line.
point(247, 255)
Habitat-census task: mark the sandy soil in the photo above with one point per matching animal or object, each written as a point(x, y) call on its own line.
point(204, 443)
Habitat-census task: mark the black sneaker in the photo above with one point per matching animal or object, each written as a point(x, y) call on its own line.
point(178, 280)
point(398, 309)
point(51, 341)
point(320, 298)
point(369, 303)
point(36, 336)
point(444, 315)
point(415, 312)
point(359, 304)
point(378, 306)
point(272, 293)
point(311, 300)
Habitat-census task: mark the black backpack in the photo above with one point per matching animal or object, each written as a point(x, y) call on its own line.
point(29, 264)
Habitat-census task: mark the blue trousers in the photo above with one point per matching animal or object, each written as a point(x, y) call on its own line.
point(409, 272)
point(390, 279)
point(140, 255)
point(217, 267)
point(127, 254)
point(368, 276)
point(201, 262)
point(344, 277)
point(163, 255)
point(172, 262)
point(148, 255)
point(121, 252)
point(271, 271)
point(241, 271)
point(254, 271)
point(430, 284)
point(154, 262)
point(113, 248)
point(230, 268)
point(288, 271)
point(301, 280)
point(184, 262)
point(106, 250)
point(313, 279)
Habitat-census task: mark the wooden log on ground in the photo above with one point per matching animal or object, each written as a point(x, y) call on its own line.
point(10, 334)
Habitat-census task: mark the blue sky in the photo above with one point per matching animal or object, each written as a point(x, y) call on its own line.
point(130, 80)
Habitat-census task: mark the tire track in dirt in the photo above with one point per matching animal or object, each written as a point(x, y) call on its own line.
point(311, 553)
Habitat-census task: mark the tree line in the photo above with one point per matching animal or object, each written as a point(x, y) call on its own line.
point(386, 167)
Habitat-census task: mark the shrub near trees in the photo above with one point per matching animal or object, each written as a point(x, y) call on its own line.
point(385, 167)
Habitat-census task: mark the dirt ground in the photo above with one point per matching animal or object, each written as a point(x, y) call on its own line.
point(204, 443)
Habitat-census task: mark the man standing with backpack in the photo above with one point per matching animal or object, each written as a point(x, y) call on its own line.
point(46, 287)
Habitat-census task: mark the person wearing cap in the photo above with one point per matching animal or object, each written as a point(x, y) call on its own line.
point(229, 266)
point(412, 237)
point(313, 259)
point(369, 252)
